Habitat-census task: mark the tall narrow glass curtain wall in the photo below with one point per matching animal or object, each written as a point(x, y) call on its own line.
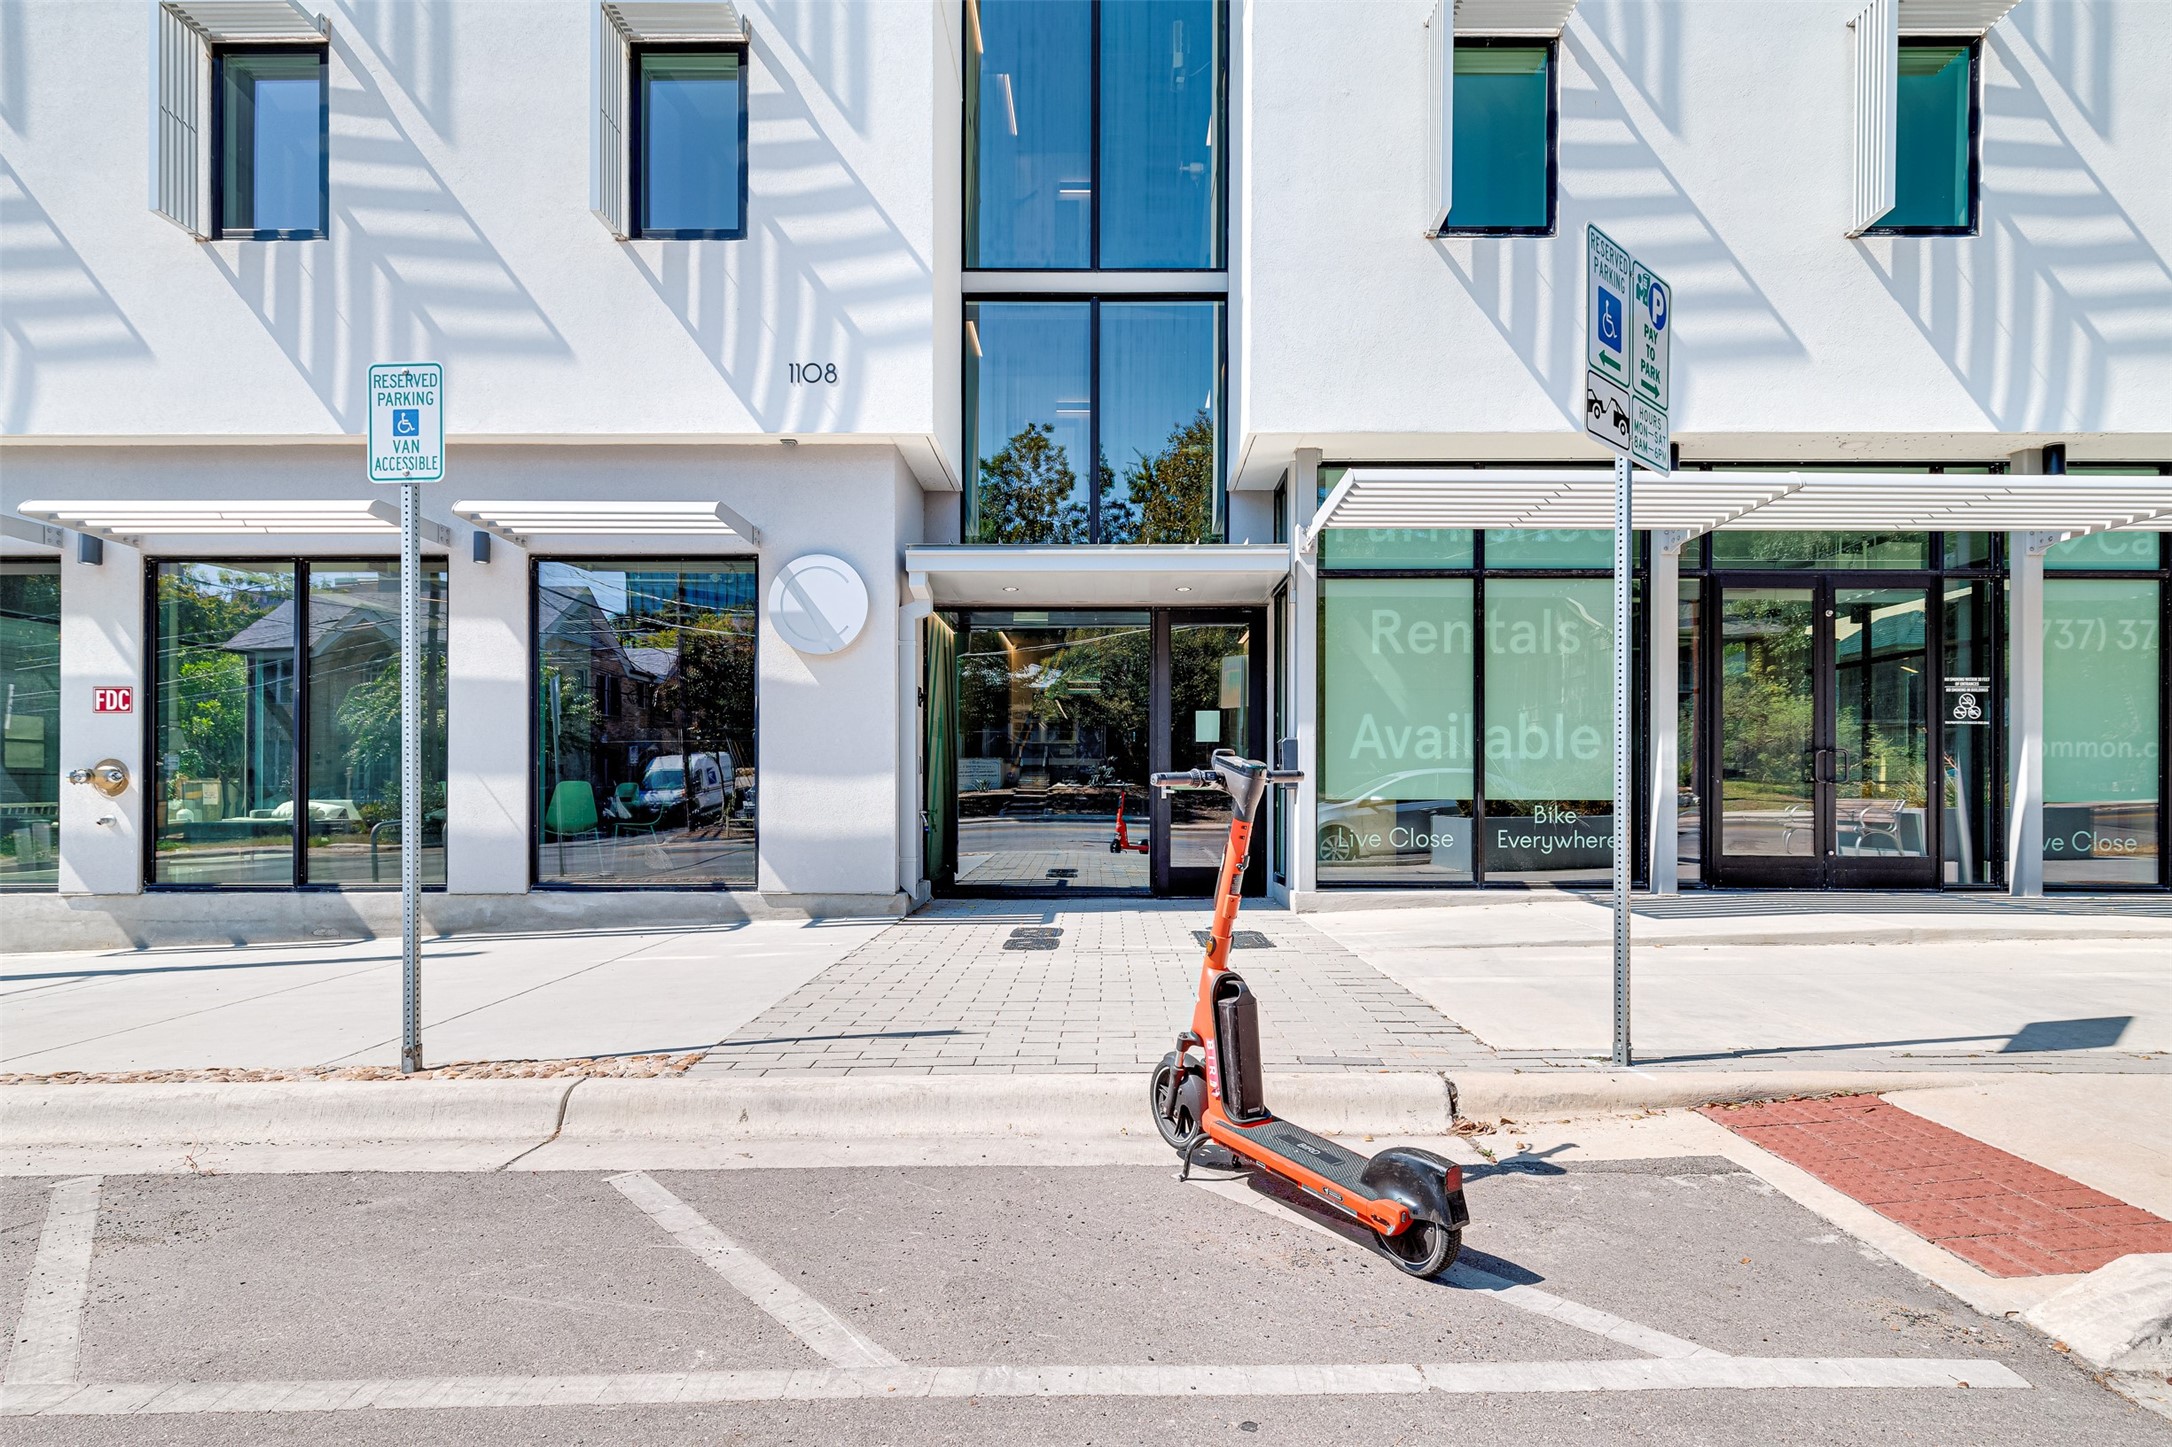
point(2104, 680)
point(271, 122)
point(689, 140)
point(280, 681)
point(1934, 178)
point(645, 722)
point(1094, 421)
point(29, 724)
point(1094, 134)
point(1503, 137)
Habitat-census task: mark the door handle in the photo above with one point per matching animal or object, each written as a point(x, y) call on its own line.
point(1826, 770)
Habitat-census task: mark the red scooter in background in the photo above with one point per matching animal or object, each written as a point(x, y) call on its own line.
point(1122, 844)
point(1412, 1199)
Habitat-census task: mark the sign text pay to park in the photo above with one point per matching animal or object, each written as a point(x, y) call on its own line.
point(1629, 347)
point(407, 422)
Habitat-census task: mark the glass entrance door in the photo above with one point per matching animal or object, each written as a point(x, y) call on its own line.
point(1823, 736)
point(1211, 682)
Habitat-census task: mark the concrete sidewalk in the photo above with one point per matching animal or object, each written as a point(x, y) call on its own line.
point(1883, 984)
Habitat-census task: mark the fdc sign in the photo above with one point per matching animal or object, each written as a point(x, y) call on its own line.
point(407, 422)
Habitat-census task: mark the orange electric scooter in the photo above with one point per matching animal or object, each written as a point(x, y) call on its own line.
point(1411, 1199)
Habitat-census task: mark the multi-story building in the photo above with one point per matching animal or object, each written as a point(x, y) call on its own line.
point(880, 432)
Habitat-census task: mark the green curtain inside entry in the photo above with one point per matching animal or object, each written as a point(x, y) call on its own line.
point(939, 828)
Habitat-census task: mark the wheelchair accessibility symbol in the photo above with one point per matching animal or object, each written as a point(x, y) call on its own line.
point(406, 422)
point(1609, 320)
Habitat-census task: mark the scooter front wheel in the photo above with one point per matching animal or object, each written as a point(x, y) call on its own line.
point(1172, 1116)
point(1426, 1248)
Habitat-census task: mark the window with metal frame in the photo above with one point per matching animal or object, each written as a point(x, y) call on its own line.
point(1505, 151)
point(671, 154)
point(242, 120)
point(1095, 134)
point(1937, 119)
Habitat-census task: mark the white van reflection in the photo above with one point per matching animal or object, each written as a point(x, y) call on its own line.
point(672, 785)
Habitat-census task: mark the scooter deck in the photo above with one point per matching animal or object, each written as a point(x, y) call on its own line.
point(1296, 1144)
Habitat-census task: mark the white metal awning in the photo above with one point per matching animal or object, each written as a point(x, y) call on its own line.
point(1513, 17)
point(129, 520)
point(518, 521)
point(678, 21)
point(1699, 502)
point(1952, 17)
point(249, 22)
point(1101, 575)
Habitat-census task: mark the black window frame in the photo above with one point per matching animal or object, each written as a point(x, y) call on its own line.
point(1972, 227)
point(217, 141)
point(636, 127)
point(299, 881)
point(1093, 301)
point(1552, 46)
point(968, 193)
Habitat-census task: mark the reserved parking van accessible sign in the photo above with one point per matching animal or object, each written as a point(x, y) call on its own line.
point(407, 422)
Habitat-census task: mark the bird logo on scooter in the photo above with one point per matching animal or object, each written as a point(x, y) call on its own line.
point(1208, 1090)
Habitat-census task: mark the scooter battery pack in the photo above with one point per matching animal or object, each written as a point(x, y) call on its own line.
point(1236, 1024)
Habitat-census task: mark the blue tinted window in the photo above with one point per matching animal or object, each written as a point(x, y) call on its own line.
point(1502, 165)
point(271, 143)
point(1029, 421)
point(690, 147)
point(1160, 413)
point(1160, 78)
point(1931, 184)
point(1029, 133)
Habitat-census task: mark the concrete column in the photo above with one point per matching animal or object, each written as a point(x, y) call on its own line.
point(102, 644)
point(489, 719)
point(1664, 606)
point(1304, 681)
point(2025, 713)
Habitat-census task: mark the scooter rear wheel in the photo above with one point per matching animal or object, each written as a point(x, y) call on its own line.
point(1175, 1122)
point(1427, 1248)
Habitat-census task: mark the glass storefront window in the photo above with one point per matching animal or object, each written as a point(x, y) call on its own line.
point(1969, 770)
point(2105, 553)
point(1036, 411)
point(240, 702)
point(645, 722)
point(1689, 737)
point(29, 725)
point(2103, 682)
point(1550, 548)
point(1777, 550)
point(1549, 728)
point(1029, 133)
point(354, 724)
point(1397, 730)
point(224, 699)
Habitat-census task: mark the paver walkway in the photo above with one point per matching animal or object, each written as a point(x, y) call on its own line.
point(1993, 1210)
point(950, 989)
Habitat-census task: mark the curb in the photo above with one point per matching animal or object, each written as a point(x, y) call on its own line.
point(2118, 1316)
point(337, 1113)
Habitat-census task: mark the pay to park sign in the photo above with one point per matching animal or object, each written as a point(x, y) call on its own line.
point(407, 422)
point(1629, 353)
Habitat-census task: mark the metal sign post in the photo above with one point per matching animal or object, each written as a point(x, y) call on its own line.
point(1628, 357)
point(407, 446)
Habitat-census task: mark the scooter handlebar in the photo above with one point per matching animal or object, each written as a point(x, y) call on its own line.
point(1186, 779)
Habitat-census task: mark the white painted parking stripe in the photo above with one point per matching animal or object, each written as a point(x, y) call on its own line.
point(836, 1341)
point(1524, 1298)
point(1115, 1380)
point(50, 1330)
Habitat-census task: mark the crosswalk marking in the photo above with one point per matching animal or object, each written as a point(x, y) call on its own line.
point(50, 1330)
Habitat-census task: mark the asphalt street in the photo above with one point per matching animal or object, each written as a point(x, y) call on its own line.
point(1678, 1299)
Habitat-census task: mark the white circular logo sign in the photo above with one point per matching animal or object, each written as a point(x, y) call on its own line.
point(818, 603)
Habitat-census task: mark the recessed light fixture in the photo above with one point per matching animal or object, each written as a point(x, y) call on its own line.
point(1183, 588)
point(1010, 587)
point(789, 441)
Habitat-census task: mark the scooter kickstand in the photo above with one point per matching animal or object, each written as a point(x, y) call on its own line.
point(1190, 1146)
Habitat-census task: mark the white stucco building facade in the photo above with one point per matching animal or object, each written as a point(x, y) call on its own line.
point(846, 361)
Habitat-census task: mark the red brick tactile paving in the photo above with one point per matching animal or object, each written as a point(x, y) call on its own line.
point(1996, 1211)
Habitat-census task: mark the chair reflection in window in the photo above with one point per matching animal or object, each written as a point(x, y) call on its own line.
point(571, 815)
